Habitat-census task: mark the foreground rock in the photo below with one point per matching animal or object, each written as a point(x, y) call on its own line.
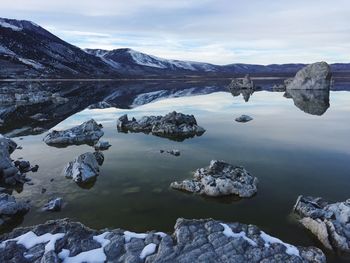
point(314, 102)
point(244, 83)
point(243, 118)
point(192, 241)
point(316, 76)
point(9, 208)
point(330, 223)
point(88, 132)
point(220, 179)
point(85, 167)
point(174, 125)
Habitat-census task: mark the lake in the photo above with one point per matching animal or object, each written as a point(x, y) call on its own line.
point(296, 144)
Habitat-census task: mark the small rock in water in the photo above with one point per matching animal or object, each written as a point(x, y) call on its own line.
point(172, 152)
point(244, 83)
point(53, 205)
point(220, 179)
point(43, 190)
point(102, 145)
point(244, 118)
point(19, 148)
point(35, 168)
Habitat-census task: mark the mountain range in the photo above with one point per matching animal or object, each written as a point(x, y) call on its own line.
point(29, 51)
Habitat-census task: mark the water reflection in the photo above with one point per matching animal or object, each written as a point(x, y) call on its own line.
point(315, 102)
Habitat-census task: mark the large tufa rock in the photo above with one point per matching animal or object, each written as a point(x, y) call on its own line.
point(330, 223)
point(314, 76)
point(7, 169)
point(203, 240)
point(9, 208)
point(220, 179)
point(174, 125)
point(85, 167)
point(88, 132)
point(239, 84)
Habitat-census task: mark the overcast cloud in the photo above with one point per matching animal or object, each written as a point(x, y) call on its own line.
point(216, 31)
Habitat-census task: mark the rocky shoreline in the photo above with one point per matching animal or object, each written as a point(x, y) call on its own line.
point(204, 240)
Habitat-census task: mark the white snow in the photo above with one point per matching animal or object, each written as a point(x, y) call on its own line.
point(229, 233)
point(96, 255)
point(148, 250)
point(129, 235)
point(290, 249)
point(161, 234)
point(7, 25)
point(31, 62)
point(30, 239)
point(6, 51)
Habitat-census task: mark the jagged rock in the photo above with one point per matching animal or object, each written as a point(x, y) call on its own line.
point(174, 125)
point(330, 223)
point(314, 76)
point(53, 205)
point(315, 102)
point(204, 240)
point(220, 179)
point(9, 207)
point(84, 168)
point(244, 83)
point(88, 132)
point(102, 145)
point(243, 118)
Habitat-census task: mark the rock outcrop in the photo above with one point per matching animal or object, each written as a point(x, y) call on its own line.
point(241, 83)
point(220, 179)
point(10, 207)
point(243, 118)
point(85, 167)
point(314, 102)
point(102, 146)
point(330, 223)
point(176, 126)
point(88, 132)
point(192, 241)
point(316, 76)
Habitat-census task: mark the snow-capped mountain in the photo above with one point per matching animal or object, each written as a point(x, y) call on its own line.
point(28, 50)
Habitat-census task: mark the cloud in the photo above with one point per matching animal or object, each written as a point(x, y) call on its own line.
point(216, 31)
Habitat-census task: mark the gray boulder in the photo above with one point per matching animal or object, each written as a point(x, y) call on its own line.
point(329, 222)
point(243, 118)
point(176, 126)
point(315, 76)
point(102, 146)
point(54, 205)
point(88, 132)
point(203, 240)
point(241, 83)
point(10, 207)
point(84, 168)
point(220, 179)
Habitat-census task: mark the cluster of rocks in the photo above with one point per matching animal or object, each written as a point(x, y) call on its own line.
point(10, 207)
point(12, 172)
point(241, 83)
point(329, 222)
point(172, 152)
point(88, 132)
point(220, 179)
point(173, 125)
point(85, 167)
point(192, 241)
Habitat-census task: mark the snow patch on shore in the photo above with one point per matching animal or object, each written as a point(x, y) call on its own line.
point(129, 235)
point(148, 250)
point(290, 249)
point(229, 233)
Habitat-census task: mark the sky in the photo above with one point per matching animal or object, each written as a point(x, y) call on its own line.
point(214, 31)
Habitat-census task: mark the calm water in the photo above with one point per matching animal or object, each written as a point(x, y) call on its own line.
point(291, 151)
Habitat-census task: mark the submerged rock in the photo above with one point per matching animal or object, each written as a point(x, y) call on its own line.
point(330, 223)
point(244, 83)
point(88, 132)
point(220, 179)
point(53, 205)
point(315, 102)
point(203, 240)
point(102, 146)
point(174, 125)
point(84, 168)
point(314, 76)
point(10, 207)
point(243, 118)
